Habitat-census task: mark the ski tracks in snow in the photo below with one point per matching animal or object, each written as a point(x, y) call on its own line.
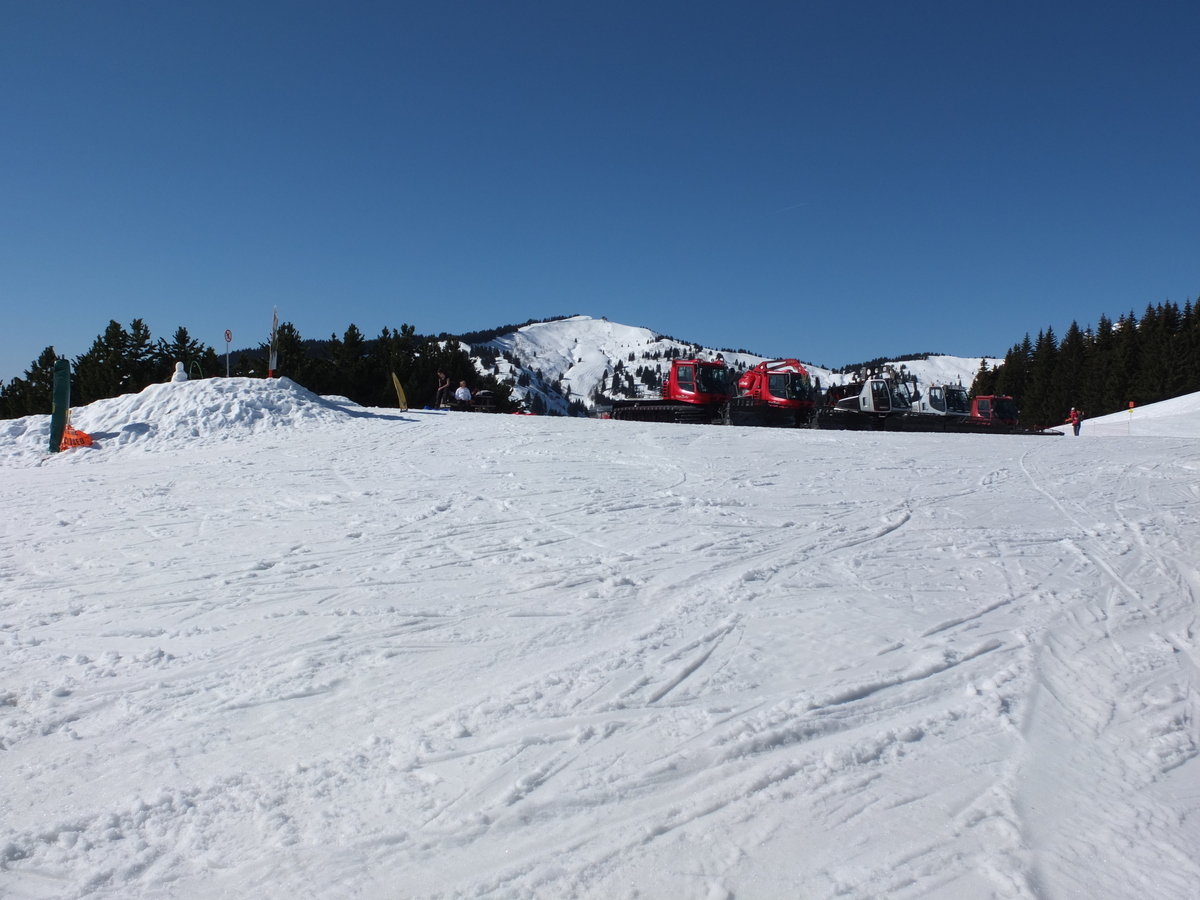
point(494, 657)
point(1115, 696)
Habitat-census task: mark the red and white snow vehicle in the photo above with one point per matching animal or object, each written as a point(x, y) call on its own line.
point(994, 411)
point(779, 393)
point(948, 401)
point(696, 392)
point(784, 390)
point(871, 404)
point(701, 391)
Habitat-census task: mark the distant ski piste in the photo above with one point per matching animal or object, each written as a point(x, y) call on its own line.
point(1177, 417)
point(261, 643)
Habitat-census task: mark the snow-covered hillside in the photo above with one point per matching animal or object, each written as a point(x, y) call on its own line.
point(1178, 417)
point(592, 361)
point(260, 644)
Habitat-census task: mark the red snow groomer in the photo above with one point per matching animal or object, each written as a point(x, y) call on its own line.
point(700, 391)
point(994, 410)
point(784, 389)
point(696, 392)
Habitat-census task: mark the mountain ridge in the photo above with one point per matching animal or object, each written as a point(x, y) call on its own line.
point(572, 365)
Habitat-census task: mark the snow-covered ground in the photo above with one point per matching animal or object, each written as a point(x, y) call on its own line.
point(261, 644)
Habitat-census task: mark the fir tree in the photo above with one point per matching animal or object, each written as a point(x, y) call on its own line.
point(139, 362)
point(1118, 382)
point(32, 394)
point(1069, 374)
point(103, 370)
point(198, 358)
point(1038, 403)
point(1012, 375)
point(984, 384)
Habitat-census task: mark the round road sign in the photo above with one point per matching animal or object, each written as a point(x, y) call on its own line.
point(228, 335)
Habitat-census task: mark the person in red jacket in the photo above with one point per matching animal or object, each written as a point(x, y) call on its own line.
point(1076, 419)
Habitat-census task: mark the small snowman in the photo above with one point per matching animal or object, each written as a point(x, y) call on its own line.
point(179, 375)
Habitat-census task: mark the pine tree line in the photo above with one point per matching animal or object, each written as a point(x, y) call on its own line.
point(1100, 371)
point(119, 361)
point(123, 361)
point(361, 368)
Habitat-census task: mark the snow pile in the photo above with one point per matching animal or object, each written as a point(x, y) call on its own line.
point(179, 414)
point(1177, 417)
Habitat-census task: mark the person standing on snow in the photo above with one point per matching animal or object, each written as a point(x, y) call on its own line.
point(1076, 419)
point(443, 390)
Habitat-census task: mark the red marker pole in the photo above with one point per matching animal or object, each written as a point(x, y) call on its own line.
point(1129, 424)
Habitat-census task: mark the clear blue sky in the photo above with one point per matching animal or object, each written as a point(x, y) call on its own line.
point(833, 181)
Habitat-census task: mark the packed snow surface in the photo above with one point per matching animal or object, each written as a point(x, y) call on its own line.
point(305, 649)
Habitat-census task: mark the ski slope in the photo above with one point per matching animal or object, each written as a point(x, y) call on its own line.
point(1177, 417)
point(260, 643)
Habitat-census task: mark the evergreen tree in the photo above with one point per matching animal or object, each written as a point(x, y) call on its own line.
point(1156, 375)
point(1069, 374)
point(250, 364)
point(32, 394)
point(198, 358)
point(140, 359)
point(1174, 376)
point(291, 355)
point(1012, 375)
point(1038, 403)
point(984, 384)
point(103, 371)
point(1096, 373)
point(1119, 379)
point(1189, 361)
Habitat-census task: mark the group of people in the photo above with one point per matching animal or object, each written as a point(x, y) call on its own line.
point(462, 394)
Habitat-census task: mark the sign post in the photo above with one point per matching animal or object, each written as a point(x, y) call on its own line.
point(274, 358)
point(228, 338)
point(61, 409)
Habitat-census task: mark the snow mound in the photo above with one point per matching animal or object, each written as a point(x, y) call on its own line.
point(1177, 417)
point(173, 415)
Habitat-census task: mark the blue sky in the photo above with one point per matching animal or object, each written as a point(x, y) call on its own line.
point(833, 181)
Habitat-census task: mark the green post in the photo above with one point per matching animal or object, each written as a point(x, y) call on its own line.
point(62, 403)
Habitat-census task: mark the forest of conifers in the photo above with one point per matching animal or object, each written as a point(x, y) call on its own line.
point(123, 361)
point(1097, 370)
point(1101, 370)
